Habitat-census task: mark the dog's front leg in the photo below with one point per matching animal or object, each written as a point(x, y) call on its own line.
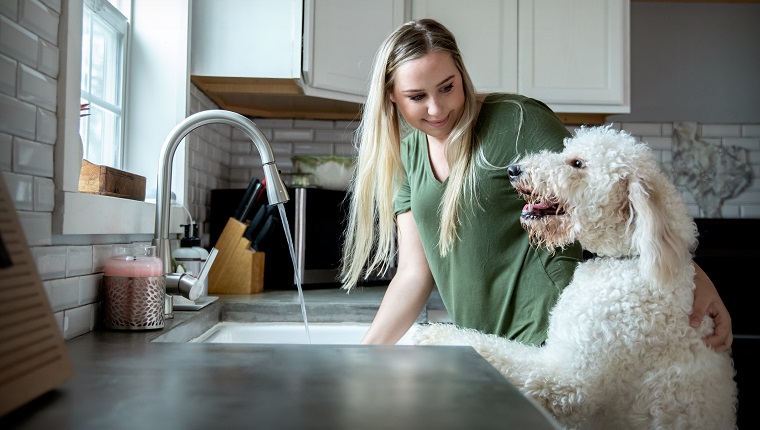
point(514, 360)
point(538, 372)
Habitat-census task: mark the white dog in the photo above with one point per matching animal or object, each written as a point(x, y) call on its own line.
point(620, 353)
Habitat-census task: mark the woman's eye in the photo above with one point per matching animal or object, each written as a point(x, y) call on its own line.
point(447, 88)
point(578, 164)
point(417, 97)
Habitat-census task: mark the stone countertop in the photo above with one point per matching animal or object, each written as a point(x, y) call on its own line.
point(147, 380)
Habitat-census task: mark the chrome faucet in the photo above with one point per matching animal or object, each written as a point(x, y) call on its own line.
point(189, 286)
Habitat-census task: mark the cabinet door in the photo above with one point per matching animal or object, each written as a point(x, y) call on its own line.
point(342, 37)
point(246, 38)
point(573, 54)
point(486, 32)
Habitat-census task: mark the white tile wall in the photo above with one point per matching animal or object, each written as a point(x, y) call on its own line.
point(89, 288)
point(59, 320)
point(9, 9)
point(18, 42)
point(37, 227)
point(660, 139)
point(32, 158)
point(751, 130)
point(46, 126)
point(39, 19)
point(44, 194)
point(17, 117)
point(7, 76)
point(48, 59)
point(63, 293)
point(21, 189)
point(6, 148)
point(100, 254)
point(720, 130)
point(36, 88)
point(50, 261)
point(78, 321)
point(53, 4)
point(78, 260)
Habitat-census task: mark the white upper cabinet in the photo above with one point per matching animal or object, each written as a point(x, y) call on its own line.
point(326, 46)
point(486, 33)
point(572, 55)
point(341, 38)
point(246, 38)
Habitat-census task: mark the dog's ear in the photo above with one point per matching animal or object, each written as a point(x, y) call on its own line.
point(661, 247)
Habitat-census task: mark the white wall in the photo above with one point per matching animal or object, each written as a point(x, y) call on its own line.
point(693, 61)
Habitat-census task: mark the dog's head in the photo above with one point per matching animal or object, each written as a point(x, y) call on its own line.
point(606, 191)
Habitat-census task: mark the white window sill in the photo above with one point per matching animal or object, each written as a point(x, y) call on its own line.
point(95, 214)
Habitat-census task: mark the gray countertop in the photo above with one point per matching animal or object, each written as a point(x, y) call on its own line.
point(155, 379)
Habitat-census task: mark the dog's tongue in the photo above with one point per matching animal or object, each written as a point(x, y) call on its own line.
point(534, 206)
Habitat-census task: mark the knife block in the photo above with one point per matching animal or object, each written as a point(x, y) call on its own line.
point(237, 268)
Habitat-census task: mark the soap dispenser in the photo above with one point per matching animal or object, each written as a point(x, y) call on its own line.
point(186, 256)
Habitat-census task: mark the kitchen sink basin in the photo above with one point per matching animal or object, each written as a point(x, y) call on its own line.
point(275, 317)
point(291, 333)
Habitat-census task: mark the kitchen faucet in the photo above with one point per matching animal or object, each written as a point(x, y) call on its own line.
point(189, 286)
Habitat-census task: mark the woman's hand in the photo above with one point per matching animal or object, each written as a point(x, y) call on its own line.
point(707, 302)
point(408, 290)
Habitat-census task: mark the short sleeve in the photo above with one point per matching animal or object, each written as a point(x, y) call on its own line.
point(403, 201)
point(511, 126)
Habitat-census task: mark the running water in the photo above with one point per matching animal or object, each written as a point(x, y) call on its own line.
point(286, 228)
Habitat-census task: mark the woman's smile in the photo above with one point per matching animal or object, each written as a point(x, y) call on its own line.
point(428, 93)
point(438, 123)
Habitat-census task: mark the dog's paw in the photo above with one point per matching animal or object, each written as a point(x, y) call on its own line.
point(436, 334)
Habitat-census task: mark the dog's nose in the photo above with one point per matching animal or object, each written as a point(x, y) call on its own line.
point(514, 171)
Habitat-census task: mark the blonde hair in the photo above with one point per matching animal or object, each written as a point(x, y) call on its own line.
point(369, 244)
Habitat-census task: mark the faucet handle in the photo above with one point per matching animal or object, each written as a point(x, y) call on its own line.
point(187, 285)
point(196, 289)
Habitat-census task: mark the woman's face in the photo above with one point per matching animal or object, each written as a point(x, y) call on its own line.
point(428, 92)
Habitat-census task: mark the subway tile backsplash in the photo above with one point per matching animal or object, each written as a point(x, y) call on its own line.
point(18, 42)
point(219, 157)
point(36, 88)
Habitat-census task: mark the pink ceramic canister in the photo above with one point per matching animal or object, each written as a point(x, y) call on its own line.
point(133, 289)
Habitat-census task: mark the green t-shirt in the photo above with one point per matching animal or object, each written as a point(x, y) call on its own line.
point(492, 280)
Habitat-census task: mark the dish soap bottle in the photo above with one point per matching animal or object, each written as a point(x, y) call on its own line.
point(185, 256)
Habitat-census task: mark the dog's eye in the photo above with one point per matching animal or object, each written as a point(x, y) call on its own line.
point(576, 163)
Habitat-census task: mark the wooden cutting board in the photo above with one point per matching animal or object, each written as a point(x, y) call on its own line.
point(34, 357)
point(107, 181)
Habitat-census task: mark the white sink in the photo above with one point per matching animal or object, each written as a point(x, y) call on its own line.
point(268, 333)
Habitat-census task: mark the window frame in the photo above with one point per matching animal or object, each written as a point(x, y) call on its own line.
point(77, 215)
point(109, 15)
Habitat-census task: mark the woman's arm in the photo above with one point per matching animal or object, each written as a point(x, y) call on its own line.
point(707, 301)
point(408, 290)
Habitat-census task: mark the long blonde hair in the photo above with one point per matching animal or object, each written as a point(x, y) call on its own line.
point(370, 234)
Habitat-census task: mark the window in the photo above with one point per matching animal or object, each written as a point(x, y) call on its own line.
point(104, 48)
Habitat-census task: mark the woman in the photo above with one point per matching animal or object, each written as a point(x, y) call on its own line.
point(447, 189)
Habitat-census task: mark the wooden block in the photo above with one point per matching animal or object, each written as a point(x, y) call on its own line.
point(107, 181)
point(237, 269)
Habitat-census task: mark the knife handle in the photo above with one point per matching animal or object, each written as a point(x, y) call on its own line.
point(245, 199)
point(252, 199)
point(256, 223)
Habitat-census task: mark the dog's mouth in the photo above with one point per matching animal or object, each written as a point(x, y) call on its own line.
point(539, 207)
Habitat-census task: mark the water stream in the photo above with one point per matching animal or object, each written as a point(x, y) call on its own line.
point(286, 229)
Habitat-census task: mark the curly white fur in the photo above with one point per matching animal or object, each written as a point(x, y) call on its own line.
point(620, 353)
